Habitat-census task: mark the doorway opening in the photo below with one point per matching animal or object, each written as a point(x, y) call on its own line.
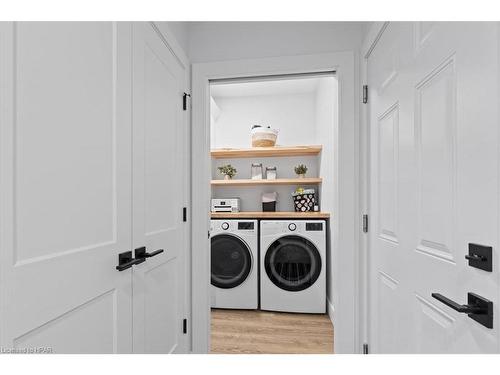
point(273, 188)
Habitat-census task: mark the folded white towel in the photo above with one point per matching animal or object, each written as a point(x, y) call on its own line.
point(269, 197)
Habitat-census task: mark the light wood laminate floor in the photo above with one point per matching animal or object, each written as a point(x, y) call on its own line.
point(264, 332)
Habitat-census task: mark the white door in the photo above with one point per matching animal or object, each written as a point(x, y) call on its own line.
point(434, 185)
point(65, 187)
point(159, 190)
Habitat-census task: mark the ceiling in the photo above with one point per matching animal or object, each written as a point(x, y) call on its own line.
point(220, 41)
point(296, 85)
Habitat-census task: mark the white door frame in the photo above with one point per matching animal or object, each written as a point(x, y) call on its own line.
point(371, 39)
point(345, 216)
point(171, 43)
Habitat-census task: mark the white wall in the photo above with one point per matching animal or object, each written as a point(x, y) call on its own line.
point(326, 132)
point(251, 196)
point(293, 115)
point(180, 31)
point(217, 41)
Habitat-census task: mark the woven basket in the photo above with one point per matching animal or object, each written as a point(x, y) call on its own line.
point(264, 137)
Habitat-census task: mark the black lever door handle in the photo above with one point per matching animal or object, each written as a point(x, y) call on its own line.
point(478, 308)
point(156, 252)
point(124, 266)
point(468, 309)
point(141, 253)
point(125, 261)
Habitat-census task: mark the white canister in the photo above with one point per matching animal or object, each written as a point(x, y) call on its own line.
point(256, 171)
point(271, 173)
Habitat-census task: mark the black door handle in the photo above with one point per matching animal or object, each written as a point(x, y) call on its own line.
point(141, 253)
point(126, 261)
point(156, 252)
point(455, 306)
point(478, 308)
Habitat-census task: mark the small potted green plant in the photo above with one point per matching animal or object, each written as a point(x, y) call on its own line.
point(301, 170)
point(228, 171)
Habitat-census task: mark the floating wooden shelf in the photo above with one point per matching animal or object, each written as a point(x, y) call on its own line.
point(278, 181)
point(270, 215)
point(226, 153)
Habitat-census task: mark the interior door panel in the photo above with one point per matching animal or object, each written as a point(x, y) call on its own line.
point(92, 164)
point(65, 186)
point(434, 184)
point(159, 284)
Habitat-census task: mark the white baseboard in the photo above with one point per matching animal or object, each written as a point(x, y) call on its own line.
point(330, 310)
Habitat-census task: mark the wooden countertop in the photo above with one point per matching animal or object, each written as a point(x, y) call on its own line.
point(270, 215)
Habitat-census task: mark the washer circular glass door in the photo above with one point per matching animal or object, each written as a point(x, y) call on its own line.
point(292, 263)
point(231, 261)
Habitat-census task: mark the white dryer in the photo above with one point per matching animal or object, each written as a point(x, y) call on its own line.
point(293, 265)
point(234, 270)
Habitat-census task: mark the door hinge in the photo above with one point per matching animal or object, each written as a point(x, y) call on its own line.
point(365, 94)
point(365, 223)
point(185, 326)
point(184, 214)
point(184, 100)
point(365, 348)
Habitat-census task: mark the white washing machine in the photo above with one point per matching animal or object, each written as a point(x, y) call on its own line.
point(234, 264)
point(293, 266)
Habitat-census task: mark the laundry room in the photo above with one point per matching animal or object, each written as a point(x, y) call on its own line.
point(215, 185)
point(273, 191)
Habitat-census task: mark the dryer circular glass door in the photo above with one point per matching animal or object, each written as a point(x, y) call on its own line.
point(231, 261)
point(293, 263)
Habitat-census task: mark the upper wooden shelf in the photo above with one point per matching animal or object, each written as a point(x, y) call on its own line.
point(269, 215)
point(227, 153)
point(278, 181)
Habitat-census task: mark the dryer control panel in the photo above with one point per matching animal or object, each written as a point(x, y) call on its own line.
point(314, 226)
point(271, 227)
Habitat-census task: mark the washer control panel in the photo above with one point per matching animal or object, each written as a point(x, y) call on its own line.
point(225, 226)
point(246, 225)
point(292, 227)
